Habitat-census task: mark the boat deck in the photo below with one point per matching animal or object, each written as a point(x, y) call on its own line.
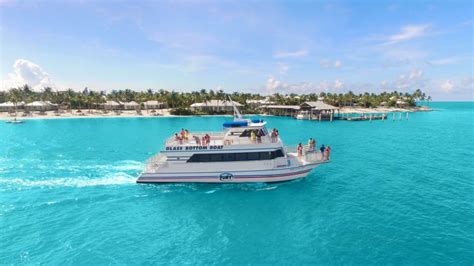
point(218, 139)
point(308, 156)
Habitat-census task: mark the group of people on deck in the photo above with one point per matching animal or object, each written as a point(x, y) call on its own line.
point(325, 150)
point(184, 136)
point(256, 135)
point(274, 135)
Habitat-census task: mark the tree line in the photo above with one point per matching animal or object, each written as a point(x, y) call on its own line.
point(89, 98)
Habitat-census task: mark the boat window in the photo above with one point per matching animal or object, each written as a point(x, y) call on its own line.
point(241, 156)
point(246, 133)
point(200, 158)
point(215, 157)
point(279, 153)
point(265, 155)
point(231, 157)
point(252, 156)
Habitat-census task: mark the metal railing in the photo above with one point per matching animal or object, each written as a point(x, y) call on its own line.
point(308, 155)
point(219, 139)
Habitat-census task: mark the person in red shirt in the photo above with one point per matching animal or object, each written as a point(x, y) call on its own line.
point(328, 151)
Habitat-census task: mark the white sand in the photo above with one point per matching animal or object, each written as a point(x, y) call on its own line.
point(166, 113)
point(85, 114)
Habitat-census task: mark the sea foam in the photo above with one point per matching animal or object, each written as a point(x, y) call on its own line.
point(116, 179)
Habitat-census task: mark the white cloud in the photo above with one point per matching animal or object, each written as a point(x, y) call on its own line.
point(274, 85)
point(27, 72)
point(283, 68)
point(410, 81)
point(447, 86)
point(290, 54)
point(338, 84)
point(408, 32)
point(415, 74)
point(450, 86)
point(325, 63)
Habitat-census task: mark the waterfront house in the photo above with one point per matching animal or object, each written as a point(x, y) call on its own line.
point(131, 105)
point(215, 106)
point(154, 105)
point(259, 103)
point(401, 103)
point(10, 106)
point(319, 110)
point(112, 105)
point(281, 110)
point(41, 106)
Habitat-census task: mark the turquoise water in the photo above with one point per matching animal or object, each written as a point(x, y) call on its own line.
point(396, 192)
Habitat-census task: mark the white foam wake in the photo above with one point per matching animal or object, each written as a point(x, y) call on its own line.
point(117, 179)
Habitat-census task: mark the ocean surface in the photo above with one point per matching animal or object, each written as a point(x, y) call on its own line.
point(396, 192)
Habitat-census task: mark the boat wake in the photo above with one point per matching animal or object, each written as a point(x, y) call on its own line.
point(115, 179)
point(70, 174)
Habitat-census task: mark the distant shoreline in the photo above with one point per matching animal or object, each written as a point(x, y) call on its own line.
point(163, 113)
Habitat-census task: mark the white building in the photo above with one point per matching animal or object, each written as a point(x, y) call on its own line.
point(154, 105)
point(215, 106)
point(258, 103)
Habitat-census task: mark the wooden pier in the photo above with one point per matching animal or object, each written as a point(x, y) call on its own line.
point(364, 117)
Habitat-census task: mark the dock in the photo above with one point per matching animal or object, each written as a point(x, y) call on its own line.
point(363, 117)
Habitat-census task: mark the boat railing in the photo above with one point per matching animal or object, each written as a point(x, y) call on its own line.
point(309, 155)
point(218, 139)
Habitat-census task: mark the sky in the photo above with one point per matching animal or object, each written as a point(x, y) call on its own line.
point(263, 46)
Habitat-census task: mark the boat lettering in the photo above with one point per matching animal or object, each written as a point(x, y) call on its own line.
point(225, 176)
point(192, 148)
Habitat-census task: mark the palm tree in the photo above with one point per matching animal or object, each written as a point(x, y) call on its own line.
point(15, 96)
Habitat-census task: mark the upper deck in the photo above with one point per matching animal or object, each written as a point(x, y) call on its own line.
point(229, 138)
point(242, 132)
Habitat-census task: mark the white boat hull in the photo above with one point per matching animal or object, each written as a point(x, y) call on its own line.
point(253, 176)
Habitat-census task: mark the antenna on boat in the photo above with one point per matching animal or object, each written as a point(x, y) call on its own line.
point(236, 111)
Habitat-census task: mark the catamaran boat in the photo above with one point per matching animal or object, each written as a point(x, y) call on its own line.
point(234, 155)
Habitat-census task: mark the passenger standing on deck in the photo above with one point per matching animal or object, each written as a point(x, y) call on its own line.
point(328, 151)
point(322, 149)
point(273, 135)
point(259, 136)
point(253, 136)
point(299, 148)
point(182, 133)
point(310, 144)
point(186, 135)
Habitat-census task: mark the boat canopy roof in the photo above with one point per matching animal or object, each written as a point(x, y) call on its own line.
point(235, 124)
point(244, 123)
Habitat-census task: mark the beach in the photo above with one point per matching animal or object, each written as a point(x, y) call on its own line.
point(93, 113)
point(98, 113)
